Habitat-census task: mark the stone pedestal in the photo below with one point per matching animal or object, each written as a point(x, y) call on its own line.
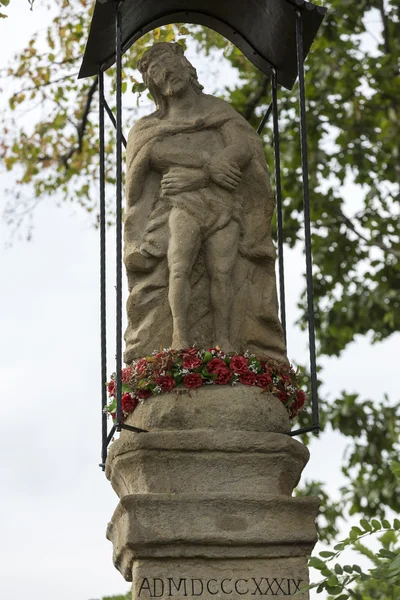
point(206, 507)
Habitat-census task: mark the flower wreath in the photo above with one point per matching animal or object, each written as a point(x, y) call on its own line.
point(192, 368)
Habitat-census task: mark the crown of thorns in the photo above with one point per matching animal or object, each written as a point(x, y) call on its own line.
point(155, 52)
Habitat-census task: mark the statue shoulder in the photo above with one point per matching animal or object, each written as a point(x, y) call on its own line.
point(145, 124)
point(215, 103)
point(223, 107)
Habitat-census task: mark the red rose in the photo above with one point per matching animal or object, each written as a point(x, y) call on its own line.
point(166, 383)
point(126, 374)
point(216, 365)
point(224, 376)
point(248, 378)
point(143, 394)
point(191, 351)
point(111, 387)
point(264, 380)
point(141, 365)
point(283, 396)
point(114, 415)
point(193, 380)
point(239, 364)
point(286, 377)
point(191, 362)
point(300, 399)
point(128, 403)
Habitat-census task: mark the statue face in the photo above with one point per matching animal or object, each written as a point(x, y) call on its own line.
point(169, 74)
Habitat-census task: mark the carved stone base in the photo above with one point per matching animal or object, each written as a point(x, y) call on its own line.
point(209, 503)
point(208, 579)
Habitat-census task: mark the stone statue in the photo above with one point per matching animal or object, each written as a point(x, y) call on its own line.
point(198, 250)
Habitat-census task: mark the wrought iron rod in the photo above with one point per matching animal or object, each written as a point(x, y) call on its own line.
point(118, 53)
point(113, 121)
point(307, 229)
point(311, 428)
point(103, 322)
point(134, 429)
point(107, 440)
point(277, 155)
point(264, 119)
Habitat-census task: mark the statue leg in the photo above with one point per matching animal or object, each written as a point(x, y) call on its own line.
point(221, 255)
point(184, 245)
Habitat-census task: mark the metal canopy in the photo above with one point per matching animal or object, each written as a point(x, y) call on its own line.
point(264, 30)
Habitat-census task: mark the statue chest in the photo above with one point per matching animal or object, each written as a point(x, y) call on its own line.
point(206, 140)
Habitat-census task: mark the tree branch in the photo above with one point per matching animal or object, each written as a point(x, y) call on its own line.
point(378, 243)
point(40, 85)
point(82, 125)
point(80, 128)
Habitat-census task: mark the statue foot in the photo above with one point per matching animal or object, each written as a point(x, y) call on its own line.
point(225, 345)
point(179, 343)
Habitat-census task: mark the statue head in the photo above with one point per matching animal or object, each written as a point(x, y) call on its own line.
point(166, 73)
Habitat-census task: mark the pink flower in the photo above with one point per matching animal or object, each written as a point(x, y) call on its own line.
point(128, 403)
point(126, 374)
point(248, 378)
point(239, 364)
point(264, 380)
point(216, 365)
point(193, 380)
point(191, 362)
point(166, 383)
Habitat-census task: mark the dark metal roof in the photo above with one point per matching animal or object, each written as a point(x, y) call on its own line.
point(264, 30)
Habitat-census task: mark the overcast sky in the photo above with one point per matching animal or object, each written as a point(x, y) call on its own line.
point(55, 501)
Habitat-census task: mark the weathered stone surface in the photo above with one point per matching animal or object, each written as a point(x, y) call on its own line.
point(198, 487)
point(210, 526)
point(218, 578)
point(238, 408)
point(197, 461)
point(198, 249)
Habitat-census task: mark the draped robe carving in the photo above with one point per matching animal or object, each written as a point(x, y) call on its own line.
point(156, 145)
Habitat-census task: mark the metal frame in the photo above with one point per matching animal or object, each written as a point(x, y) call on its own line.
point(117, 122)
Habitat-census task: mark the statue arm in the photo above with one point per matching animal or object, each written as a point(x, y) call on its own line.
point(174, 157)
point(237, 149)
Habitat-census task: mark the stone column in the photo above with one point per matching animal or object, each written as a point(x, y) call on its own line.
point(206, 507)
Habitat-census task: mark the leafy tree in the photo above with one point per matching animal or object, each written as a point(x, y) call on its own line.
point(353, 90)
point(382, 581)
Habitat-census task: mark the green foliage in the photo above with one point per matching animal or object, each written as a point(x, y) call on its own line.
point(381, 581)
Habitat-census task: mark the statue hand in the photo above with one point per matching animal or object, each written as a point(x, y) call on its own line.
point(224, 173)
point(181, 179)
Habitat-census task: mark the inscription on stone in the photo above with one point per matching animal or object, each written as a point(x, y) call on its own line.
point(157, 587)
